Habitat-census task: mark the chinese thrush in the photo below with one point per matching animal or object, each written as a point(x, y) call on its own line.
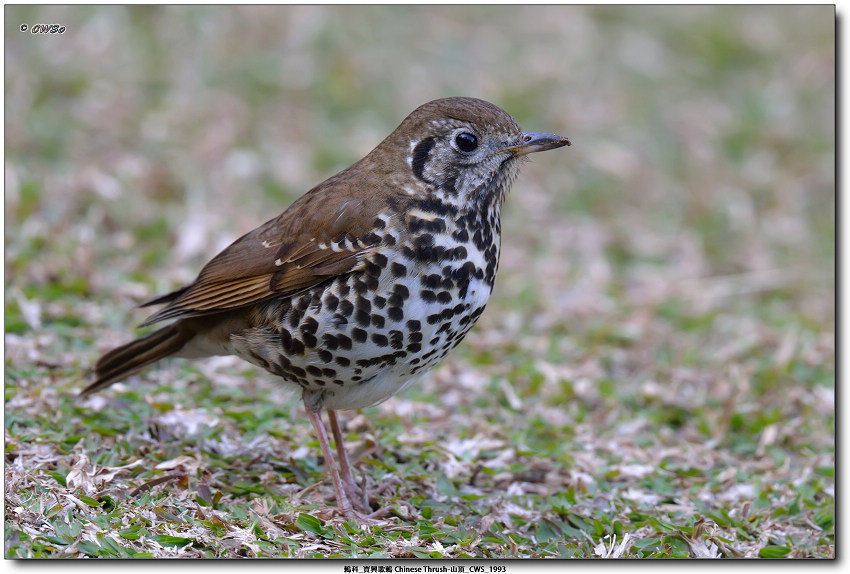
point(366, 282)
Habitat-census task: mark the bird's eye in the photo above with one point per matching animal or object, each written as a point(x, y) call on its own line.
point(466, 142)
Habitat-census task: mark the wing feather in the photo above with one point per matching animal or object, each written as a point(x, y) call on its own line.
point(321, 235)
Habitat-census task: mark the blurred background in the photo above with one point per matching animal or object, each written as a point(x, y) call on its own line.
point(144, 139)
point(665, 308)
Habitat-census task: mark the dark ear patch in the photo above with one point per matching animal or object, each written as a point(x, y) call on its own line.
point(420, 156)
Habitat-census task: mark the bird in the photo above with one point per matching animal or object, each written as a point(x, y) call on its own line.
point(365, 282)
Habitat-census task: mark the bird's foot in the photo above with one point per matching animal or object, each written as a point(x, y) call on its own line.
point(356, 495)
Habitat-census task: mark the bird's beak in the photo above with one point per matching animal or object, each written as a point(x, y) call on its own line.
point(536, 141)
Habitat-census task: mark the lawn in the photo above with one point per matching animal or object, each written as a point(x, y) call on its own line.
point(654, 376)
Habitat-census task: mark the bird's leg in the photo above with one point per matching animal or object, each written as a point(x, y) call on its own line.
point(354, 492)
point(341, 499)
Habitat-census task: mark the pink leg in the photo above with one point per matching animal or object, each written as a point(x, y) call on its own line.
point(353, 491)
point(341, 499)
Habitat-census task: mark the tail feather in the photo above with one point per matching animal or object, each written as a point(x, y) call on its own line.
point(120, 363)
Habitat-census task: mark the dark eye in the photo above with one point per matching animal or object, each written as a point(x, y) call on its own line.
point(466, 142)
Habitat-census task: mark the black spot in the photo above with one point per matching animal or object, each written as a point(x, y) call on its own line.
point(294, 318)
point(379, 301)
point(415, 337)
point(396, 339)
point(326, 355)
point(389, 240)
point(372, 269)
point(378, 321)
point(460, 235)
point(310, 325)
point(329, 342)
point(342, 361)
point(371, 238)
point(339, 320)
point(417, 224)
point(414, 347)
point(298, 371)
point(420, 157)
point(363, 318)
point(478, 241)
point(380, 260)
point(431, 281)
point(297, 347)
point(379, 223)
point(344, 342)
point(464, 272)
point(328, 372)
point(338, 382)
point(435, 205)
point(314, 370)
point(414, 325)
point(400, 293)
point(281, 368)
point(310, 341)
point(372, 282)
point(360, 286)
point(444, 297)
point(392, 359)
point(285, 339)
point(395, 313)
point(401, 290)
point(363, 304)
point(427, 295)
point(359, 335)
point(398, 269)
point(431, 319)
point(477, 313)
point(424, 248)
point(344, 290)
point(380, 340)
point(459, 252)
point(332, 301)
point(346, 307)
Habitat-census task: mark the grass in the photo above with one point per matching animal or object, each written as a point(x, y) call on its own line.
point(653, 378)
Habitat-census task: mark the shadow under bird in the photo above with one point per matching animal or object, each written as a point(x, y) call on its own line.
point(366, 282)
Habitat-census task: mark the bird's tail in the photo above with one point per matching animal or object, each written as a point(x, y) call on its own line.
point(121, 362)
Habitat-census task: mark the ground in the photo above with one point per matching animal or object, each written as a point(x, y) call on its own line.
point(654, 376)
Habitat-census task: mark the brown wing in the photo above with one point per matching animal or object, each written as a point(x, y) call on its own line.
point(323, 234)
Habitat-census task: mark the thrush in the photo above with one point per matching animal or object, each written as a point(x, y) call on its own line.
point(365, 282)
